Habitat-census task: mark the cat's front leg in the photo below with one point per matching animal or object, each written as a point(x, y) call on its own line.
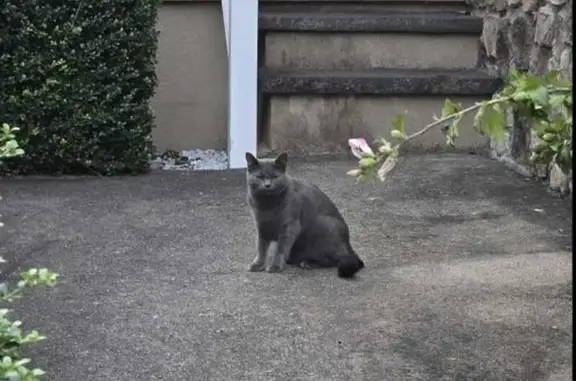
point(277, 258)
point(259, 261)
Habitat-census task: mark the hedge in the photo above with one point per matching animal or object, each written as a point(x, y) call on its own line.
point(77, 76)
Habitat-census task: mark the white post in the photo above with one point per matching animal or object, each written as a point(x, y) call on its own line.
point(226, 17)
point(242, 79)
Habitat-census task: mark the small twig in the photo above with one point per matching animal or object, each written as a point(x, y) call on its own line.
point(77, 12)
point(553, 89)
point(452, 116)
point(94, 172)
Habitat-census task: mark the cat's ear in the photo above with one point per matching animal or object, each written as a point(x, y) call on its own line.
point(282, 161)
point(251, 161)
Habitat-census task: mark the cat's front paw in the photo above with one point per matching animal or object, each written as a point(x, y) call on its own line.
point(256, 267)
point(275, 268)
point(276, 263)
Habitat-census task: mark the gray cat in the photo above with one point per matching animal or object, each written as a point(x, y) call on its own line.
point(297, 222)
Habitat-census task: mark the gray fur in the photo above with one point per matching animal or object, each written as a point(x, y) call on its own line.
point(297, 223)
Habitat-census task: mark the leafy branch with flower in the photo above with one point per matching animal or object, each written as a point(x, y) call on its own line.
point(545, 102)
point(12, 338)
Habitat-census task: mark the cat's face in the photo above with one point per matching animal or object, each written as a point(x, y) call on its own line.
point(267, 177)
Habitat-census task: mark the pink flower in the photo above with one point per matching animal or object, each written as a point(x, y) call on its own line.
point(354, 172)
point(360, 147)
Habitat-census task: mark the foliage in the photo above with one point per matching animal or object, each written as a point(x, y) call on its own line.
point(8, 145)
point(543, 101)
point(77, 79)
point(12, 338)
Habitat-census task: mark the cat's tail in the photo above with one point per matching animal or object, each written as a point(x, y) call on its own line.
point(349, 265)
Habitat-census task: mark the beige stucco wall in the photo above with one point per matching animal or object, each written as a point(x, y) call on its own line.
point(190, 101)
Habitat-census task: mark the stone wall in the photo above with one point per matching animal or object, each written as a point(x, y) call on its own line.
point(534, 35)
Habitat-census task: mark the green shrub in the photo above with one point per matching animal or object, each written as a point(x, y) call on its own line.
point(77, 77)
point(12, 338)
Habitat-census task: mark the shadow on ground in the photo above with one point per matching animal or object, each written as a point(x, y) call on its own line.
point(468, 278)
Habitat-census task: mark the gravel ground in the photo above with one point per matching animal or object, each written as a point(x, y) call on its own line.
point(468, 277)
point(192, 160)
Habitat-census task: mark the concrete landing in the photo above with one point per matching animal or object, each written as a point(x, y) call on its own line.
point(468, 277)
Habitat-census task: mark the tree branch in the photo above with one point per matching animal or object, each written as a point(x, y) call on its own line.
point(452, 116)
point(467, 110)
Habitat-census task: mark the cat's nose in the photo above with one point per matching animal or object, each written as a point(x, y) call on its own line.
point(267, 184)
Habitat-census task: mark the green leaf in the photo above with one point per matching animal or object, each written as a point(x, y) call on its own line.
point(6, 361)
point(451, 131)
point(11, 145)
point(493, 124)
point(540, 126)
point(564, 84)
point(514, 75)
point(398, 123)
point(38, 372)
point(539, 97)
point(557, 100)
point(449, 108)
point(521, 96)
point(367, 162)
point(12, 375)
point(479, 116)
point(22, 362)
point(551, 77)
point(529, 82)
point(397, 134)
point(385, 148)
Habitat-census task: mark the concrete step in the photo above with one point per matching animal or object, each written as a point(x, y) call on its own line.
point(378, 82)
point(359, 40)
point(316, 112)
point(322, 1)
point(363, 5)
point(391, 22)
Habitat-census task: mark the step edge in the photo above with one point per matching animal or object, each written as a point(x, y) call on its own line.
point(415, 22)
point(391, 82)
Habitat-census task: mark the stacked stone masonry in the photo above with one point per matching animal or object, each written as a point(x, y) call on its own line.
point(533, 35)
